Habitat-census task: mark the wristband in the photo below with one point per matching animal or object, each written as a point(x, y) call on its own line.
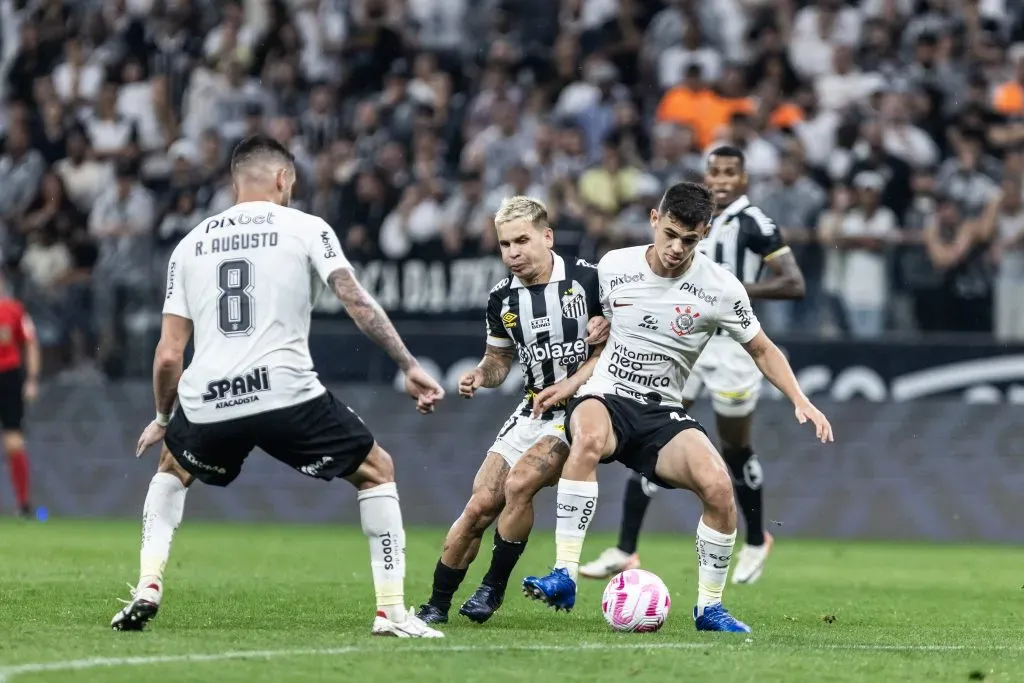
point(163, 419)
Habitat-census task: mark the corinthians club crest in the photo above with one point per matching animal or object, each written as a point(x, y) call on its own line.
point(685, 322)
point(573, 304)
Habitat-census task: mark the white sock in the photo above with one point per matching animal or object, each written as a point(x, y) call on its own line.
point(576, 503)
point(714, 552)
point(161, 515)
point(382, 523)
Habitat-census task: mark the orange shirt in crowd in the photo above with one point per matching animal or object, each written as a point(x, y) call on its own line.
point(1008, 99)
point(702, 110)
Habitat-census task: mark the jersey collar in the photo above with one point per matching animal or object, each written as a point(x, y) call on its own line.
point(557, 272)
point(735, 208)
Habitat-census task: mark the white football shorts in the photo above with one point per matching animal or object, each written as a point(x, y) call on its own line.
point(521, 432)
point(730, 376)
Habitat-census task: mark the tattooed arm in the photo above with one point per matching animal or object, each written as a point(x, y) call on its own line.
point(370, 317)
point(490, 372)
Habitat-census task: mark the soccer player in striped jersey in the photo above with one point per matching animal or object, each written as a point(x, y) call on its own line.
point(548, 314)
point(746, 242)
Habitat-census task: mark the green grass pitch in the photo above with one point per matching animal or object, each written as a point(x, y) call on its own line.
point(280, 603)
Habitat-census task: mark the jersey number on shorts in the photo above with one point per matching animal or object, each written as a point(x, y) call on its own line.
point(235, 304)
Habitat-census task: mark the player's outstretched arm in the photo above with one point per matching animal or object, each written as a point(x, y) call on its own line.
point(375, 324)
point(774, 366)
point(370, 317)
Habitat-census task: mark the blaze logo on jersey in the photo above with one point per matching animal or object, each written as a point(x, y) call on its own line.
point(238, 390)
point(566, 353)
point(509, 319)
point(685, 321)
point(573, 304)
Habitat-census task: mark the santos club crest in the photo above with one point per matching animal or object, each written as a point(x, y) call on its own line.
point(685, 322)
point(574, 305)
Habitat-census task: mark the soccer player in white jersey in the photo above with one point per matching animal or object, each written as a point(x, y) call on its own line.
point(748, 244)
point(548, 314)
point(242, 283)
point(665, 301)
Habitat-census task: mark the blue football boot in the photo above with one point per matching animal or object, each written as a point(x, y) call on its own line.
point(556, 589)
point(717, 618)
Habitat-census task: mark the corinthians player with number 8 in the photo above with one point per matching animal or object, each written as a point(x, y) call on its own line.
point(665, 301)
point(548, 314)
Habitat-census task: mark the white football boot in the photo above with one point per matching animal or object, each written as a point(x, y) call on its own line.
point(412, 627)
point(140, 609)
point(609, 563)
point(750, 561)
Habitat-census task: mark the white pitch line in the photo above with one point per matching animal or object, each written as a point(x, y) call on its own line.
point(9, 673)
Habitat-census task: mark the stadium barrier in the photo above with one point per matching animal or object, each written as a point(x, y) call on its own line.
point(937, 469)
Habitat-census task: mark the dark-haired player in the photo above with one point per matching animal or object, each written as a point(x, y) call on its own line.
point(665, 301)
point(548, 314)
point(746, 242)
point(19, 376)
point(242, 281)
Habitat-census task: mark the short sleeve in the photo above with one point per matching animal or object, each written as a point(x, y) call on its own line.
point(604, 288)
point(592, 287)
point(497, 335)
point(763, 237)
point(325, 251)
point(175, 302)
point(735, 315)
point(26, 330)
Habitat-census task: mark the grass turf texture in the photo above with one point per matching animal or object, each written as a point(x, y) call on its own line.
point(823, 611)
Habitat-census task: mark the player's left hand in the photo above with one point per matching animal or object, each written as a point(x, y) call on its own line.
point(30, 390)
point(805, 411)
point(153, 433)
point(597, 330)
point(556, 393)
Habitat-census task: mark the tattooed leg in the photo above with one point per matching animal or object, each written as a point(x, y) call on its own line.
point(463, 540)
point(539, 467)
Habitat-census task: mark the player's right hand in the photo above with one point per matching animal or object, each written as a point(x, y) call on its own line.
point(552, 396)
point(470, 382)
point(805, 411)
point(424, 388)
point(153, 433)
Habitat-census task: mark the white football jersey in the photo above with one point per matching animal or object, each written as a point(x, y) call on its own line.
point(659, 326)
point(247, 279)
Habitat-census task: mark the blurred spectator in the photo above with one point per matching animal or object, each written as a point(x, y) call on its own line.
point(1008, 254)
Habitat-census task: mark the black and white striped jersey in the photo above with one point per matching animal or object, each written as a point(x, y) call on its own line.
point(546, 323)
point(741, 239)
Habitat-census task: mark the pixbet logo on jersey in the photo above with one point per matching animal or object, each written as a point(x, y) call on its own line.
point(239, 389)
point(626, 279)
point(699, 292)
point(685, 322)
point(566, 353)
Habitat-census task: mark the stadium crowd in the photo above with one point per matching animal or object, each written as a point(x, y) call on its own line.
point(885, 136)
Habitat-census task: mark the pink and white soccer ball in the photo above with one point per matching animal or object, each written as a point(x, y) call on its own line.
point(636, 601)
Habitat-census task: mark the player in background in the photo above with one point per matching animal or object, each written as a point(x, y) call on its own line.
point(242, 282)
point(746, 242)
point(19, 383)
point(542, 313)
point(665, 301)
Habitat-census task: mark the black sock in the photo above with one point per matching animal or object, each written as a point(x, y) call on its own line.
point(634, 507)
point(503, 561)
point(747, 478)
point(446, 582)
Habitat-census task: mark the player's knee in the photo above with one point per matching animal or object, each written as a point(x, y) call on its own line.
point(376, 469)
point(588, 443)
point(482, 509)
point(523, 484)
point(14, 441)
point(715, 489)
